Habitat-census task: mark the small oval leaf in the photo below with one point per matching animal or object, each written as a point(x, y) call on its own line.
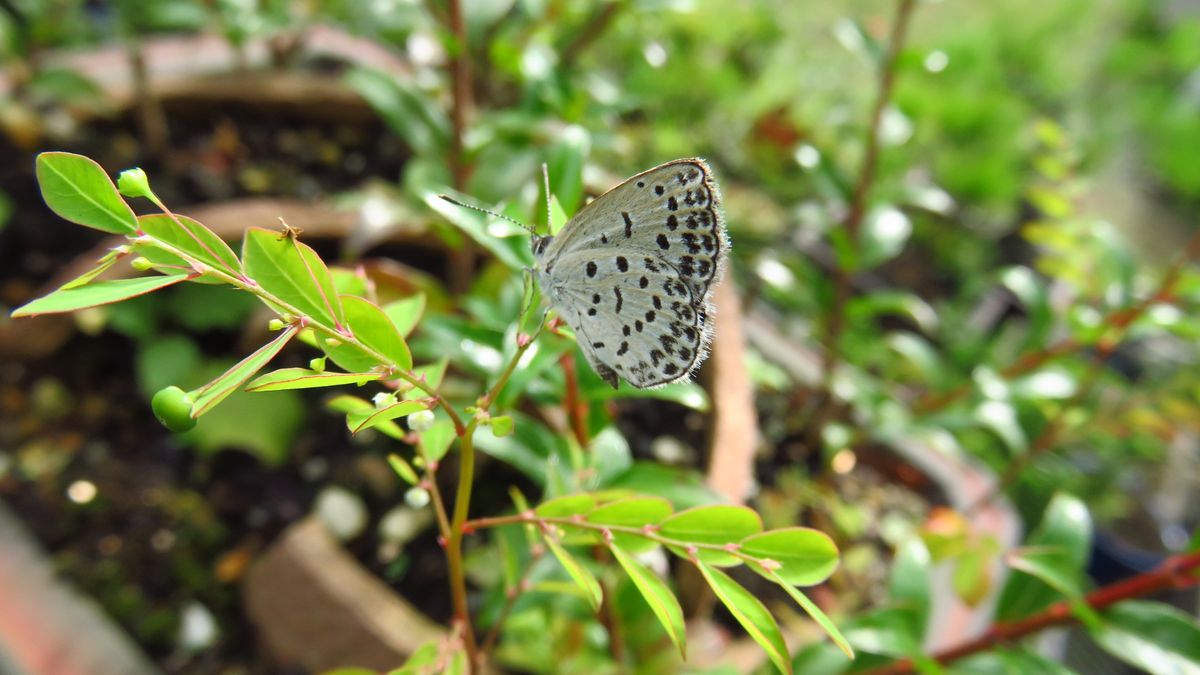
point(303, 378)
point(357, 420)
point(719, 525)
point(805, 556)
point(580, 574)
point(96, 293)
point(635, 512)
point(751, 613)
point(660, 598)
point(78, 189)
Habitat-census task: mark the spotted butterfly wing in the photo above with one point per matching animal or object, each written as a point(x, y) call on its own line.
point(631, 273)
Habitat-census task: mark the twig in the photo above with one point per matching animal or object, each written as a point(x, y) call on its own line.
point(576, 408)
point(1119, 321)
point(589, 33)
point(462, 259)
point(462, 505)
point(1175, 572)
point(835, 322)
point(513, 593)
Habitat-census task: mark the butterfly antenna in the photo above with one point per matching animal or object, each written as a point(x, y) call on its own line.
point(546, 185)
point(489, 212)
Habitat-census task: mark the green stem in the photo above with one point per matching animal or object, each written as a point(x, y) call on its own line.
point(454, 560)
point(647, 533)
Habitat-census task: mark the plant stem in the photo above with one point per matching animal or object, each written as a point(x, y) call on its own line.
point(1175, 572)
point(462, 506)
point(835, 323)
point(462, 260)
point(454, 560)
point(646, 532)
point(513, 594)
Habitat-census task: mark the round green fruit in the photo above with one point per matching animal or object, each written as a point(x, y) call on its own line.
point(173, 407)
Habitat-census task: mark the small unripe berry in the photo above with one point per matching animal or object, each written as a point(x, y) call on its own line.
point(422, 420)
point(133, 183)
point(173, 407)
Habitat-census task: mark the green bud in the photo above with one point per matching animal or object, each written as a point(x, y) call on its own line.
point(141, 264)
point(173, 407)
point(275, 324)
point(317, 364)
point(133, 183)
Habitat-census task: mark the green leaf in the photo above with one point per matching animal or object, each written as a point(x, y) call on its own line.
point(806, 556)
point(193, 238)
point(214, 392)
point(346, 403)
point(888, 632)
point(1008, 662)
point(585, 579)
point(432, 374)
point(371, 327)
point(632, 512)
point(720, 525)
point(357, 420)
point(817, 615)
point(501, 425)
point(412, 114)
point(751, 613)
point(291, 271)
point(972, 576)
point(820, 658)
point(566, 506)
point(885, 232)
point(403, 469)
point(1152, 636)
point(1052, 565)
point(106, 261)
point(406, 313)
point(77, 189)
point(97, 293)
point(909, 583)
point(303, 378)
point(660, 598)
point(513, 251)
point(1066, 526)
point(435, 441)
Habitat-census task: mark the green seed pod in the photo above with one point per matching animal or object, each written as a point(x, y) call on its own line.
point(173, 407)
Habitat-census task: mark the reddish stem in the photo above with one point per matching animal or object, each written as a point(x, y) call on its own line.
point(1175, 572)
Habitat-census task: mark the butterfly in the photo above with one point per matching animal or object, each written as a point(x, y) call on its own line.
point(632, 273)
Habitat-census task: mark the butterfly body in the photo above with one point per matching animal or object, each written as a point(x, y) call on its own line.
point(632, 273)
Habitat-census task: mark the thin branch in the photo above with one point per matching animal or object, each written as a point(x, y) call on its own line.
point(462, 260)
point(589, 33)
point(575, 405)
point(513, 594)
point(836, 321)
point(1176, 572)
